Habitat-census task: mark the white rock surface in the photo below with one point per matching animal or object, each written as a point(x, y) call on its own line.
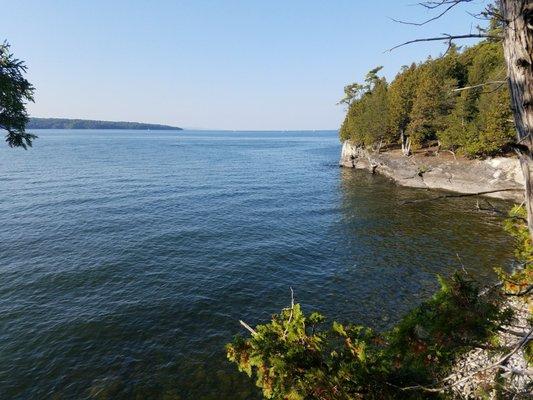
point(483, 385)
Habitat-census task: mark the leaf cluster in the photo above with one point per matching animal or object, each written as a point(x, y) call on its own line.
point(15, 93)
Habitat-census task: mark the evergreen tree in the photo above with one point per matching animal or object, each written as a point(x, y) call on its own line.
point(424, 103)
point(15, 92)
point(366, 119)
point(400, 100)
point(459, 129)
point(375, 114)
point(495, 123)
point(429, 104)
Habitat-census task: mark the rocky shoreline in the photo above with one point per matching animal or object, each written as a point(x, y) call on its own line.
point(440, 170)
point(480, 373)
point(484, 374)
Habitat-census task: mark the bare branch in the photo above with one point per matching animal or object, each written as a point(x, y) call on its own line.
point(500, 362)
point(447, 196)
point(448, 38)
point(290, 316)
point(450, 4)
point(292, 298)
point(480, 85)
point(248, 327)
point(514, 371)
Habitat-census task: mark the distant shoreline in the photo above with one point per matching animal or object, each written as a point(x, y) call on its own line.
point(65, 123)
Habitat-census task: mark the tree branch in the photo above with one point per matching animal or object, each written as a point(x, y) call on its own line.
point(248, 327)
point(430, 5)
point(480, 85)
point(446, 196)
point(499, 363)
point(447, 38)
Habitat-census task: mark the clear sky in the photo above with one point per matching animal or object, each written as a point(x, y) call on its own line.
point(225, 64)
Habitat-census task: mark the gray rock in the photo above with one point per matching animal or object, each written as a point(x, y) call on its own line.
point(443, 171)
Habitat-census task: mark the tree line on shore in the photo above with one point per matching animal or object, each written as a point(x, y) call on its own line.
point(460, 100)
point(66, 123)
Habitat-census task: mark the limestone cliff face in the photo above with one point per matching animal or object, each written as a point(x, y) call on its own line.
point(442, 171)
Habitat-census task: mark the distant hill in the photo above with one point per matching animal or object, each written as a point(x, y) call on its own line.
point(63, 123)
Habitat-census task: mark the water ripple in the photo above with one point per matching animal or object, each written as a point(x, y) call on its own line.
point(127, 258)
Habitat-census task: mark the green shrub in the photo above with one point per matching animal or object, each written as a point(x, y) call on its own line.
point(297, 357)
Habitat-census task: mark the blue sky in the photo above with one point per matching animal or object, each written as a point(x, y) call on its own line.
point(245, 64)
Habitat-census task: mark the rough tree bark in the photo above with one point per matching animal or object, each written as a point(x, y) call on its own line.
point(518, 49)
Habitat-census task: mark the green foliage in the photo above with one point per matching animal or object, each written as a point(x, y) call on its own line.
point(298, 357)
point(400, 100)
point(15, 92)
point(285, 355)
point(367, 118)
point(422, 103)
point(428, 339)
point(520, 280)
point(481, 122)
point(516, 226)
point(433, 101)
point(351, 93)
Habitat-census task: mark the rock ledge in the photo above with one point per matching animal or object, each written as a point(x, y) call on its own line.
point(428, 170)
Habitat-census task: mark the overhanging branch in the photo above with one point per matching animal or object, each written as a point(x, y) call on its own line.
point(480, 85)
point(432, 5)
point(448, 38)
point(448, 196)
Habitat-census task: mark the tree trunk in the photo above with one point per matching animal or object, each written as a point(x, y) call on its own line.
point(518, 50)
point(406, 144)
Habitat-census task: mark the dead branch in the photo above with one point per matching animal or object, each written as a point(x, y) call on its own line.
point(500, 362)
point(493, 210)
point(515, 371)
point(447, 196)
point(432, 5)
point(290, 316)
point(248, 327)
point(448, 38)
point(480, 85)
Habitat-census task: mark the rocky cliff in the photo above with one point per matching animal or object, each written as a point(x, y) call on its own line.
point(432, 170)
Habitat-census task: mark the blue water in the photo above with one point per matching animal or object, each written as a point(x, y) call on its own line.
point(127, 258)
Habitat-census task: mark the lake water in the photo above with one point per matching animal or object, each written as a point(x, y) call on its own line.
point(127, 258)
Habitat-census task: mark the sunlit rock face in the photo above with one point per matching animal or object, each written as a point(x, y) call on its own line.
point(442, 170)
